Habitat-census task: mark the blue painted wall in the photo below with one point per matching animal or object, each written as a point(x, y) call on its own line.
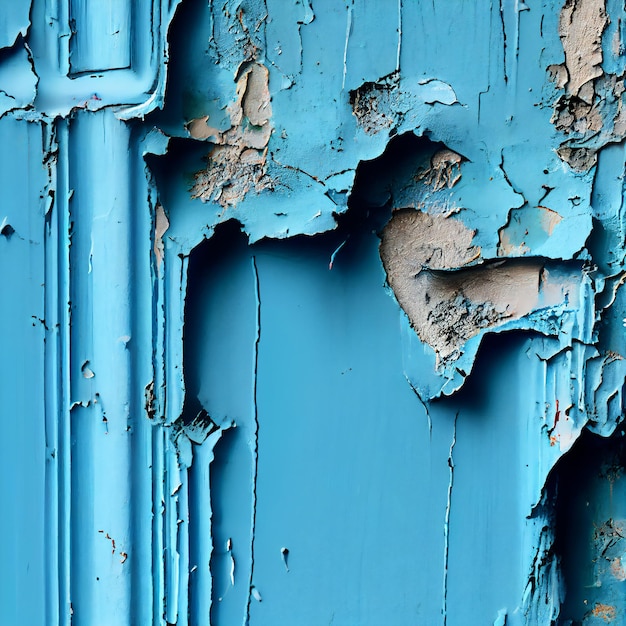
point(312, 312)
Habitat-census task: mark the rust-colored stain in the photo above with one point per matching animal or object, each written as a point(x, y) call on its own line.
point(605, 611)
point(617, 569)
point(107, 536)
point(557, 416)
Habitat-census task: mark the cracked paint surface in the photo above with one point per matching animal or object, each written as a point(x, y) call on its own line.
point(237, 162)
point(314, 328)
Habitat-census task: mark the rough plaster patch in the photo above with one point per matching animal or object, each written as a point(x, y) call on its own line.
point(431, 266)
point(617, 569)
point(590, 110)
point(573, 115)
point(548, 219)
point(199, 128)
point(604, 111)
point(237, 162)
point(372, 104)
point(579, 159)
point(581, 25)
point(420, 241)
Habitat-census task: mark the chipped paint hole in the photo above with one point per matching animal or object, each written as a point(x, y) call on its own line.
point(86, 371)
point(374, 104)
point(411, 172)
point(284, 552)
point(7, 231)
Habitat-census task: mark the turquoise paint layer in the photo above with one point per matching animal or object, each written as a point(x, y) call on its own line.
point(256, 433)
point(484, 93)
point(14, 21)
point(24, 448)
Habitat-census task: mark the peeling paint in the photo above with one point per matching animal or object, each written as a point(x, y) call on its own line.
point(434, 91)
point(450, 294)
point(590, 111)
point(373, 103)
point(526, 230)
point(160, 228)
point(18, 81)
point(501, 618)
point(446, 528)
point(444, 170)
point(237, 163)
point(438, 241)
point(604, 611)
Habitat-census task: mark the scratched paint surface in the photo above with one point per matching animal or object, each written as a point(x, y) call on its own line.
point(313, 312)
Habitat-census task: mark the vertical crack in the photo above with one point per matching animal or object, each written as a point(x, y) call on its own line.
point(506, 77)
point(423, 403)
point(345, 49)
point(399, 36)
point(446, 525)
point(252, 592)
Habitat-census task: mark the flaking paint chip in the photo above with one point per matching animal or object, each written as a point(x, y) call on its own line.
point(86, 370)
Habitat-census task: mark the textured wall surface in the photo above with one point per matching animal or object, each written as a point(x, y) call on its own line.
point(312, 312)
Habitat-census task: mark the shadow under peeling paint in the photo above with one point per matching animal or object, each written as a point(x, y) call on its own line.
point(220, 373)
point(590, 529)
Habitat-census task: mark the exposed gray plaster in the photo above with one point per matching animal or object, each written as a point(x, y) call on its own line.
point(237, 162)
point(449, 292)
